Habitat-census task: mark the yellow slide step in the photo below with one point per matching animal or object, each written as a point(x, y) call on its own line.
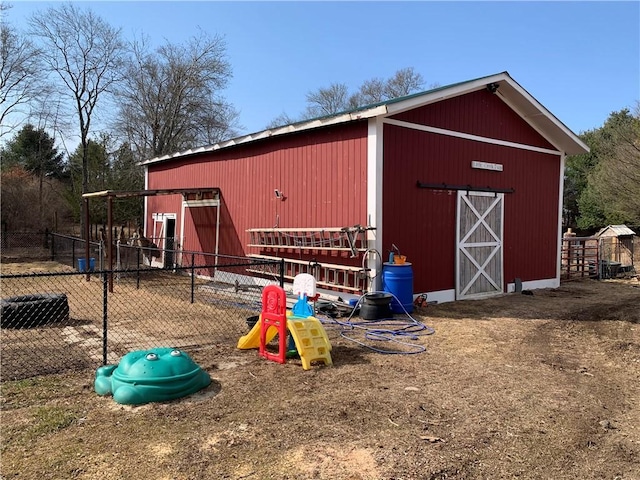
point(311, 340)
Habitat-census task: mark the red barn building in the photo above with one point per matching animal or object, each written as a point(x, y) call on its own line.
point(466, 181)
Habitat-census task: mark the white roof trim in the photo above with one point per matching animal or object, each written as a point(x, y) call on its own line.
point(272, 132)
point(518, 99)
point(539, 118)
point(442, 94)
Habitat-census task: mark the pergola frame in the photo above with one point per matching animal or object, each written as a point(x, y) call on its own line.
point(111, 194)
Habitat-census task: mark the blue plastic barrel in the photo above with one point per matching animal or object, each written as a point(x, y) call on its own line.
point(398, 280)
point(82, 264)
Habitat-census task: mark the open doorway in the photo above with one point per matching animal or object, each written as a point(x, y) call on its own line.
point(164, 231)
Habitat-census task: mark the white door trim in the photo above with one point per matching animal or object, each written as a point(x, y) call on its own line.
point(160, 218)
point(193, 204)
point(463, 244)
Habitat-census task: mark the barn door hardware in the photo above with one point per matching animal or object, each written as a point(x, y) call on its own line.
point(466, 188)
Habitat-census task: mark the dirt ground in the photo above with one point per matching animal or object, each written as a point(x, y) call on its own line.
point(542, 386)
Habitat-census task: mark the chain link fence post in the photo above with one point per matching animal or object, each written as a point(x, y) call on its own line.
point(105, 315)
point(53, 248)
point(193, 278)
point(137, 269)
point(282, 273)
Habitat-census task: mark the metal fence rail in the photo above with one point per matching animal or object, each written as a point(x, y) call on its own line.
point(67, 249)
point(598, 257)
point(580, 258)
point(59, 321)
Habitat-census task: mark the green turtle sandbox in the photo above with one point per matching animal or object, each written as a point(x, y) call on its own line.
point(154, 375)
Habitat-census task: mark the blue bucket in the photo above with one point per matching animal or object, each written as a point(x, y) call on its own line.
point(398, 280)
point(82, 264)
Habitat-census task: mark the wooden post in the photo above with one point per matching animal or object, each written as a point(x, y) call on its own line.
point(568, 236)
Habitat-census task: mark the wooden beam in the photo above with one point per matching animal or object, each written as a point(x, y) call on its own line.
point(466, 188)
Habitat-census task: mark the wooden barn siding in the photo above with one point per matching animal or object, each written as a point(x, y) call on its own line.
point(421, 222)
point(200, 232)
point(322, 173)
point(479, 113)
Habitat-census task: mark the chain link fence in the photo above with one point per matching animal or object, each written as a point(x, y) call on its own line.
point(45, 246)
point(24, 246)
point(72, 320)
point(599, 257)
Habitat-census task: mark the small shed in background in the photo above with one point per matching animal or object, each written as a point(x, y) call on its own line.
point(617, 246)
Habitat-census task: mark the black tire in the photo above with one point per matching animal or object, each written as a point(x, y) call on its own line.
point(30, 311)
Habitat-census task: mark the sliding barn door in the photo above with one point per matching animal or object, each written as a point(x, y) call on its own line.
point(479, 236)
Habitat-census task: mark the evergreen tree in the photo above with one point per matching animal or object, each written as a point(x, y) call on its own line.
point(128, 176)
point(98, 176)
point(34, 151)
point(602, 187)
point(107, 170)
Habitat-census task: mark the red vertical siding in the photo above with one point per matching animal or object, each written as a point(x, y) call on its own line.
point(199, 229)
point(478, 113)
point(164, 204)
point(421, 222)
point(322, 174)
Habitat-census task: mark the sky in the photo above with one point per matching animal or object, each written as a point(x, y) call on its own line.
point(581, 60)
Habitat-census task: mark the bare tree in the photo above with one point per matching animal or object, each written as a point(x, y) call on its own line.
point(327, 101)
point(404, 82)
point(19, 71)
point(85, 53)
point(170, 99)
point(20, 188)
point(336, 98)
point(282, 119)
point(372, 91)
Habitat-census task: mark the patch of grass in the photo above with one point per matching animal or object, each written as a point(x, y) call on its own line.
point(51, 419)
point(18, 386)
point(37, 390)
point(26, 426)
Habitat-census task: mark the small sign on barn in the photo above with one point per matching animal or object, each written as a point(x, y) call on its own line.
point(496, 167)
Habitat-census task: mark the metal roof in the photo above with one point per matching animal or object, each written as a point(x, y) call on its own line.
point(150, 193)
point(618, 230)
point(523, 103)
